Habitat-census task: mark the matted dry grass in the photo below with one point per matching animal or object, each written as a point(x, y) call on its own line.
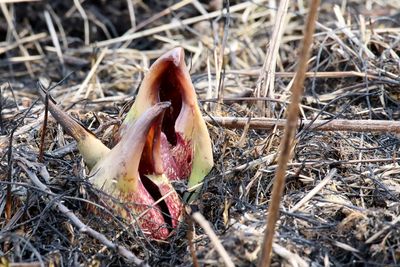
point(341, 202)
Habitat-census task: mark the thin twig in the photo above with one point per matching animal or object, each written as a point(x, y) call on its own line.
point(91, 74)
point(131, 10)
point(159, 15)
point(189, 236)
point(54, 37)
point(266, 80)
point(292, 258)
point(314, 191)
point(380, 126)
point(85, 20)
point(311, 74)
point(221, 66)
point(44, 127)
point(288, 137)
point(213, 238)
point(28, 39)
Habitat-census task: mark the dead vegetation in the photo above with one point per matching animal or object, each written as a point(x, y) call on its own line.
point(341, 201)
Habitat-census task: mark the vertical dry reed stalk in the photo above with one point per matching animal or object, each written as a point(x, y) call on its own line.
point(289, 133)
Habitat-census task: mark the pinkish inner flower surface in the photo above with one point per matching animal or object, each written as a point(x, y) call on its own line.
point(167, 151)
point(176, 151)
point(168, 210)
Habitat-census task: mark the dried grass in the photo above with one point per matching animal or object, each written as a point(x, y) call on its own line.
point(341, 200)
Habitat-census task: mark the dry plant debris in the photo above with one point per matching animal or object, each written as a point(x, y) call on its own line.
point(98, 52)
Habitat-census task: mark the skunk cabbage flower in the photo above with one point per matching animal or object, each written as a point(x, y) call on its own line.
point(131, 172)
point(163, 138)
point(185, 142)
